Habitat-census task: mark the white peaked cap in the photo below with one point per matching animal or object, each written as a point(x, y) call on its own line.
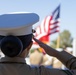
point(19, 23)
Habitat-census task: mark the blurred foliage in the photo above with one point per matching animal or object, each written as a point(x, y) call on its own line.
point(31, 50)
point(65, 40)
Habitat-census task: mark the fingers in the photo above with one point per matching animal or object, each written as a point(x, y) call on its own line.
point(49, 50)
point(44, 46)
point(38, 41)
point(41, 44)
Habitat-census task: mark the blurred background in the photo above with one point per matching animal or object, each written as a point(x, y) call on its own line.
point(56, 27)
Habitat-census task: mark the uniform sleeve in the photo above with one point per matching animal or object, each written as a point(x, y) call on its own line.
point(67, 59)
point(47, 71)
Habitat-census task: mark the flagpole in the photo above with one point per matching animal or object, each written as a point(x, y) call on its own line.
point(58, 38)
point(58, 41)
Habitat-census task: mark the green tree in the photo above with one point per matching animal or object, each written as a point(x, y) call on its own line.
point(65, 40)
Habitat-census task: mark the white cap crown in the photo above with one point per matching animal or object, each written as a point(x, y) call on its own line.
point(17, 23)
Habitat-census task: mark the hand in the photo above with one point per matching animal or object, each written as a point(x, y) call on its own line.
point(50, 51)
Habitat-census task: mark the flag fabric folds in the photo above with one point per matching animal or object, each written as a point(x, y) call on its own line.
point(54, 26)
point(48, 26)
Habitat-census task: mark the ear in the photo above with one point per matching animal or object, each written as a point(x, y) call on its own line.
point(28, 48)
point(26, 51)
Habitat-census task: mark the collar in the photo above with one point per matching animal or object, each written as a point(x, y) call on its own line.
point(13, 60)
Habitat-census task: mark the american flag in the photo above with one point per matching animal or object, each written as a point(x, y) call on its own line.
point(48, 26)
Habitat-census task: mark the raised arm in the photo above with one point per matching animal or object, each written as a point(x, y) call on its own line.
point(67, 59)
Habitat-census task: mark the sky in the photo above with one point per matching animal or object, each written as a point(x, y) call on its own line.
point(44, 8)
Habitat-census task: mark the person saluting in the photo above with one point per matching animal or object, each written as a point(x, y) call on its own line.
point(15, 42)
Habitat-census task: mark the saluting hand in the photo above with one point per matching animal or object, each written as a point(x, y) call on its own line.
point(50, 51)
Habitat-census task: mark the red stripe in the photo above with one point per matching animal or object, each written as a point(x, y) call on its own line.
point(55, 22)
point(55, 27)
point(40, 29)
point(53, 32)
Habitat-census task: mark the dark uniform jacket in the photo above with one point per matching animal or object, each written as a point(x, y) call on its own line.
point(18, 66)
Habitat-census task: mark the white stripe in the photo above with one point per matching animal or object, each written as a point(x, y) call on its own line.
point(38, 30)
point(42, 26)
point(47, 23)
